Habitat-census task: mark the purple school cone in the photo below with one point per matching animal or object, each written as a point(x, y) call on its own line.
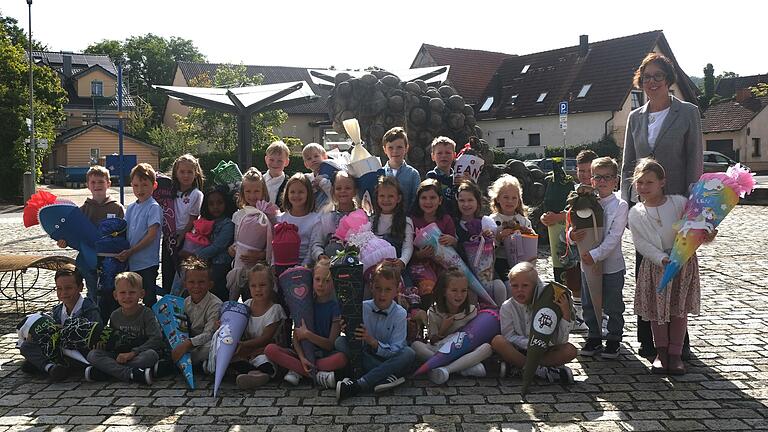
point(546, 317)
point(67, 222)
point(296, 286)
point(169, 311)
point(234, 318)
point(448, 257)
point(521, 247)
point(480, 330)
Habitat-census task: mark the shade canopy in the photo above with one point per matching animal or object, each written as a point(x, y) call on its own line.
point(431, 75)
point(243, 102)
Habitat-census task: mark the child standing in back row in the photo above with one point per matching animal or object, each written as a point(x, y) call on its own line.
point(395, 145)
point(443, 152)
point(277, 158)
point(314, 155)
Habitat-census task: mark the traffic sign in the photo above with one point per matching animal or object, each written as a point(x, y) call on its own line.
point(564, 108)
point(563, 125)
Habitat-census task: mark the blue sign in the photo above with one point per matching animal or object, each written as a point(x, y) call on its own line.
point(564, 108)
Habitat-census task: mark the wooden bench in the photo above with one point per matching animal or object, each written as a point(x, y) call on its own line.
point(20, 274)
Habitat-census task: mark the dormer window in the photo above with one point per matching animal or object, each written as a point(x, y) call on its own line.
point(97, 88)
point(487, 104)
point(584, 90)
point(637, 99)
point(512, 100)
point(525, 69)
point(541, 98)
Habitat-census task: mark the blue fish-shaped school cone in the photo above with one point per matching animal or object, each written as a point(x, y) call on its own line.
point(65, 221)
point(546, 317)
point(480, 330)
point(585, 213)
point(169, 311)
point(296, 286)
point(234, 319)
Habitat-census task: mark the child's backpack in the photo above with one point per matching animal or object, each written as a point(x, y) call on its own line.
point(285, 244)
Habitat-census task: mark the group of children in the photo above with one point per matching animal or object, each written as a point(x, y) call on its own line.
point(402, 204)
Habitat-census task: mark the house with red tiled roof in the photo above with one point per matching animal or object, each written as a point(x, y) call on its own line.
point(738, 128)
point(519, 109)
point(307, 122)
point(470, 72)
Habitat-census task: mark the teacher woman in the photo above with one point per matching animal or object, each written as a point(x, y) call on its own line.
point(669, 130)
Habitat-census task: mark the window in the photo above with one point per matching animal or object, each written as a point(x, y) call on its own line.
point(97, 88)
point(512, 100)
point(487, 104)
point(525, 69)
point(534, 140)
point(637, 99)
point(541, 97)
point(501, 142)
point(584, 90)
point(94, 156)
point(755, 147)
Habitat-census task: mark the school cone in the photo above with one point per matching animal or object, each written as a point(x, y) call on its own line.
point(169, 311)
point(296, 286)
point(234, 319)
point(585, 213)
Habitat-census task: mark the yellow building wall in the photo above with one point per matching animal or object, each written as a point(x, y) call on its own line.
point(84, 83)
point(173, 106)
point(78, 151)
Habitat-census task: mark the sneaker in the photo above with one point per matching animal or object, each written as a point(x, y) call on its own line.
point(477, 371)
point(647, 351)
point(251, 380)
point(592, 347)
point(28, 367)
point(141, 376)
point(93, 375)
point(611, 350)
point(391, 381)
point(565, 375)
point(326, 379)
point(346, 389)
point(163, 368)
point(58, 372)
point(292, 378)
point(438, 375)
point(503, 369)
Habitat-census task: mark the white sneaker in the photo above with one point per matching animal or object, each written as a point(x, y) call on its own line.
point(391, 381)
point(438, 375)
point(477, 370)
point(292, 378)
point(326, 379)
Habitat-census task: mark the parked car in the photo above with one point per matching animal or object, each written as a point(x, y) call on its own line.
point(546, 165)
point(718, 162)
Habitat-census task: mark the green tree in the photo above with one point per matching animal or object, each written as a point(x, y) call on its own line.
point(217, 131)
point(17, 34)
point(174, 141)
point(760, 90)
point(139, 120)
point(709, 87)
point(113, 48)
point(49, 99)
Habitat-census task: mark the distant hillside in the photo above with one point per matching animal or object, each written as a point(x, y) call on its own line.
point(698, 81)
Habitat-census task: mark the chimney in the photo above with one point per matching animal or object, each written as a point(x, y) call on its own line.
point(67, 65)
point(583, 45)
point(743, 94)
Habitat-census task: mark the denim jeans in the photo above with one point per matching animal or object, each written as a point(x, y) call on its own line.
point(613, 306)
point(376, 368)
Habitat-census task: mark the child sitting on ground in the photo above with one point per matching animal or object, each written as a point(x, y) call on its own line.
point(69, 285)
point(136, 361)
point(327, 327)
point(516, 315)
point(202, 309)
point(452, 311)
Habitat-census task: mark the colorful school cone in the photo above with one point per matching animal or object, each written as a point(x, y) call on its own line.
point(169, 311)
point(448, 257)
point(43, 330)
point(165, 195)
point(468, 162)
point(712, 198)
point(296, 286)
point(234, 319)
point(480, 255)
point(585, 212)
point(363, 166)
point(480, 330)
point(227, 174)
point(546, 317)
point(355, 230)
point(33, 205)
point(558, 185)
point(82, 335)
point(67, 222)
point(521, 247)
point(347, 275)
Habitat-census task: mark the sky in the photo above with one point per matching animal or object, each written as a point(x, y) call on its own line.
point(388, 34)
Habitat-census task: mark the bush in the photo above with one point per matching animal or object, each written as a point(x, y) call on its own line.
point(209, 161)
point(500, 157)
point(605, 146)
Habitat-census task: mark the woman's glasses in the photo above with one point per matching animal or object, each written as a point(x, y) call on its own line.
point(658, 77)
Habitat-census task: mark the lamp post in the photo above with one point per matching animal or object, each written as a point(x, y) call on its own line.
point(29, 180)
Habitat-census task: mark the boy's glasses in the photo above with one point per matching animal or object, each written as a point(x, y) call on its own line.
point(658, 77)
point(599, 178)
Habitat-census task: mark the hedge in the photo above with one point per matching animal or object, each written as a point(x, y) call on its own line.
point(211, 159)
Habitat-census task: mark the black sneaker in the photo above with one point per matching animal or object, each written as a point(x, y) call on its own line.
point(565, 375)
point(592, 347)
point(346, 388)
point(58, 372)
point(141, 376)
point(389, 382)
point(611, 350)
point(29, 368)
point(163, 368)
point(93, 375)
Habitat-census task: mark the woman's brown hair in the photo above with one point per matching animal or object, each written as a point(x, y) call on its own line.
point(662, 62)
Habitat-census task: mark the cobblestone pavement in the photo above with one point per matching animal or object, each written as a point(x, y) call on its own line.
point(726, 387)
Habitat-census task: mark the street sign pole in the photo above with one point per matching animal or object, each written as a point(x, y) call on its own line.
point(564, 125)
